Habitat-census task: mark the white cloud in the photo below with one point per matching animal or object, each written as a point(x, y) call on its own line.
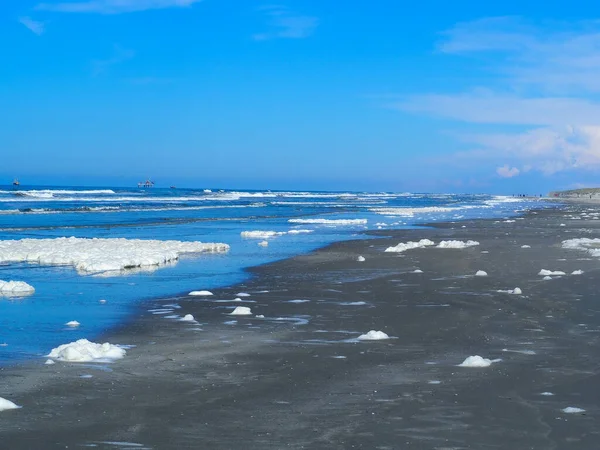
point(114, 6)
point(507, 172)
point(543, 78)
point(286, 24)
point(33, 25)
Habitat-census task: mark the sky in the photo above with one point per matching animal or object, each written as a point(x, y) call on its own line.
point(314, 94)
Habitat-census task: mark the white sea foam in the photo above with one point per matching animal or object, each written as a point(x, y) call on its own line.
point(200, 293)
point(242, 294)
point(572, 410)
point(241, 311)
point(72, 323)
point(361, 259)
point(263, 243)
point(548, 273)
point(592, 246)
point(15, 288)
point(7, 404)
point(402, 247)
point(525, 246)
point(547, 394)
point(270, 234)
point(547, 278)
point(187, 318)
point(457, 244)
point(410, 212)
point(86, 351)
point(476, 361)
point(373, 336)
point(331, 221)
point(49, 362)
point(101, 255)
point(577, 272)
point(417, 271)
point(481, 273)
point(515, 291)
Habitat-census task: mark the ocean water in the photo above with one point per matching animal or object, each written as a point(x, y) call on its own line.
point(30, 326)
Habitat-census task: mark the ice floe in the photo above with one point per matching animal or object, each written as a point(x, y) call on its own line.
point(101, 255)
point(200, 293)
point(16, 288)
point(373, 336)
point(241, 311)
point(402, 247)
point(476, 361)
point(360, 259)
point(592, 246)
point(7, 404)
point(548, 273)
point(457, 244)
point(330, 221)
point(572, 410)
point(73, 324)
point(481, 273)
point(86, 351)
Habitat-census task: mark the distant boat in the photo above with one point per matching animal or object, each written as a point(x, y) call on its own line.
point(146, 184)
point(16, 182)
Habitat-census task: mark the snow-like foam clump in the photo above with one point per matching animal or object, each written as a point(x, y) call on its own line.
point(241, 311)
point(476, 361)
point(73, 324)
point(101, 255)
point(7, 404)
point(572, 410)
point(592, 246)
point(402, 247)
point(187, 318)
point(373, 336)
point(261, 234)
point(410, 212)
point(86, 351)
point(417, 271)
point(515, 291)
point(361, 259)
point(577, 272)
point(550, 273)
point(15, 288)
point(331, 221)
point(264, 243)
point(457, 244)
point(200, 293)
point(525, 246)
point(481, 273)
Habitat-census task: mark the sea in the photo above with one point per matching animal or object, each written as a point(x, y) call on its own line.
point(31, 325)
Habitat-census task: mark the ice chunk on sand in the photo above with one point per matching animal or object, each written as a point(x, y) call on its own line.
point(515, 291)
point(241, 311)
point(476, 361)
point(373, 336)
point(525, 246)
point(331, 221)
point(72, 323)
point(572, 410)
point(577, 272)
point(101, 255)
point(402, 247)
point(15, 288)
point(481, 273)
point(200, 293)
point(457, 244)
point(187, 318)
point(547, 273)
point(85, 351)
point(7, 404)
point(360, 259)
point(264, 243)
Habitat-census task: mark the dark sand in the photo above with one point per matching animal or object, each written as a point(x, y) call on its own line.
point(272, 384)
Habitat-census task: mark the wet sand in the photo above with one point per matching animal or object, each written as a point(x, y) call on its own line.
point(298, 378)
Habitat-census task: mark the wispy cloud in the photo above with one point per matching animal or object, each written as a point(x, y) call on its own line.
point(33, 25)
point(284, 23)
point(119, 55)
point(113, 6)
point(544, 78)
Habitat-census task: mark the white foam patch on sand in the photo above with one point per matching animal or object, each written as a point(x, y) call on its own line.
point(331, 221)
point(457, 244)
point(592, 246)
point(547, 278)
point(515, 291)
point(577, 272)
point(15, 288)
point(417, 271)
point(264, 243)
point(361, 259)
point(7, 404)
point(481, 273)
point(101, 255)
point(373, 336)
point(547, 273)
point(86, 351)
point(476, 361)
point(72, 323)
point(200, 293)
point(434, 382)
point(242, 294)
point(572, 410)
point(525, 246)
point(402, 247)
point(187, 318)
point(241, 311)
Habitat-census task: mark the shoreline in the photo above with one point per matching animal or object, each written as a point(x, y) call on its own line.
point(273, 383)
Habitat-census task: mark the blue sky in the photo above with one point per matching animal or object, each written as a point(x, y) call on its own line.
point(439, 96)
